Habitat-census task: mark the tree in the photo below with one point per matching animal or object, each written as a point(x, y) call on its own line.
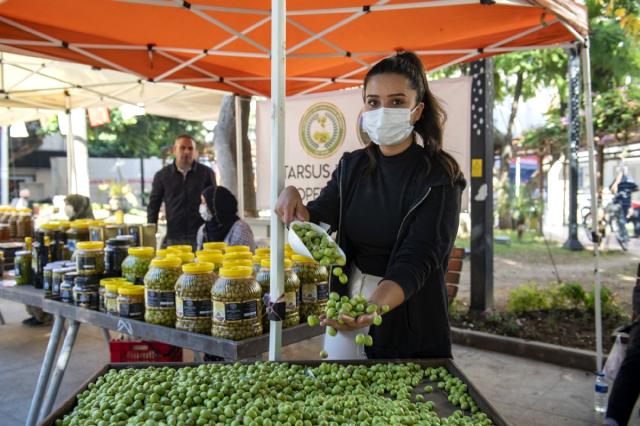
point(225, 147)
point(140, 136)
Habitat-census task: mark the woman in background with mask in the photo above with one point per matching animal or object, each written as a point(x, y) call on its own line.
point(219, 210)
point(395, 206)
point(78, 207)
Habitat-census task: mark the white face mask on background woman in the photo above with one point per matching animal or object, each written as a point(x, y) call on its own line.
point(205, 213)
point(388, 126)
point(69, 210)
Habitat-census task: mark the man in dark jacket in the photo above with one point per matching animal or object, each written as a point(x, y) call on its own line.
point(179, 186)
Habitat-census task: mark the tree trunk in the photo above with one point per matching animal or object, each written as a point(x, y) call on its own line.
point(505, 193)
point(541, 193)
point(600, 181)
point(225, 149)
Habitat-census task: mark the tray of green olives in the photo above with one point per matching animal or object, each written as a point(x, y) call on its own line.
point(369, 392)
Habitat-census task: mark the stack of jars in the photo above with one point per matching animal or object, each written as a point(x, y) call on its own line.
point(89, 269)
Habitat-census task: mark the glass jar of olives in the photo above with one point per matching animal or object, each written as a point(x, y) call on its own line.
point(237, 306)
point(86, 292)
point(111, 295)
point(193, 297)
point(78, 231)
point(115, 253)
point(66, 287)
point(160, 291)
point(136, 264)
point(291, 290)
point(314, 286)
point(58, 278)
point(90, 258)
point(102, 290)
point(22, 265)
point(130, 301)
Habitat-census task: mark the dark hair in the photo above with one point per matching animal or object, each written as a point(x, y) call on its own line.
point(430, 125)
point(186, 136)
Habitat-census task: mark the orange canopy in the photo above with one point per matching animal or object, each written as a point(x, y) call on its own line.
point(225, 44)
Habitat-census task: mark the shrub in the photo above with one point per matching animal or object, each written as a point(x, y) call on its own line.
point(528, 297)
point(568, 295)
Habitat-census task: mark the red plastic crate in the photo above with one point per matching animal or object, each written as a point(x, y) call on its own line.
point(143, 351)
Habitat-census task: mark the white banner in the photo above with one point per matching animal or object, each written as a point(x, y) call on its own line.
point(321, 127)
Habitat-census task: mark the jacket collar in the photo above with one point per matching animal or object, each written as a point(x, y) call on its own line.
point(193, 168)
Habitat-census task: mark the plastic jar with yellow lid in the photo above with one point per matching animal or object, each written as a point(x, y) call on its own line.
point(237, 305)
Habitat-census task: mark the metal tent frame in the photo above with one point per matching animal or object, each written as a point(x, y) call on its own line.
point(279, 17)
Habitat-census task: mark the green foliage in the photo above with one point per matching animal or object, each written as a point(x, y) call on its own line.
point(144, 135)
point(625, 12)
point(528, 297)
point(568, 296)
point(616, 113)
point(609, 307)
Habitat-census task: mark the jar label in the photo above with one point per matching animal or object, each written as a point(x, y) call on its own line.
point(292, 300)
point(160, 298)
point(193, 308)
point(309, 293)
point(86, 299)
point(232, 311)
point(87, 263)
point(66, 295)
point(131, 310)
point(323, 291)
point(111, 305)
point(55, 287)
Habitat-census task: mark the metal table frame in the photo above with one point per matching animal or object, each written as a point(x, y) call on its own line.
point(55, 361)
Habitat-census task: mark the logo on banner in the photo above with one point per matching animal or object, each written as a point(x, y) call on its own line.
point(322, 130)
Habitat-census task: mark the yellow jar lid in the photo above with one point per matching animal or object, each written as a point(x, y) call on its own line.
point(185, 257)
point(211, 251)
point(302, 259)
point(215, 245)
point(239, 255)
point(182, 248)
point(266, 263)
point(165, 252)
point(205, 256)
point(287, 246)
point(52, 226)
point(141, 251)
point(236, 249)
point(115, 285)
point(64, 224)
point(258, 258)
point(24, 211)
point(167, 262)
point(105, 281)
point(80, 224)
point(90, 245)
point(131, 290)
point(198, 268)
point(237, 262)
point(263, 251)
point(96, 223)
point(236, 272)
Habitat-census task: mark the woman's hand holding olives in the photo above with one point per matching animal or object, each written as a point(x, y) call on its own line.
point(290, 206)
point(349, 323)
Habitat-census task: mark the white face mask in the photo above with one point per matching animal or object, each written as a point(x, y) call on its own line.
point(388, 126)
point(205, 213)
point(69, 210)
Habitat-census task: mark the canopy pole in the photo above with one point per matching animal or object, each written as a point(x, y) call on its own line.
point(239, 157)
point(586, 70)
point(71, 187)
point(278, 63)
point(4, 166)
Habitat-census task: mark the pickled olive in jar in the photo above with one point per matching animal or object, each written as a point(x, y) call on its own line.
point(86, 292)
point(237, 306)
point(90, 258)
point(130, 301)
point(136, 265)
point(291, 290)
point(111, 295)
point(193, 297)
point(314, 286)
point(160, 291)
point(22, 265)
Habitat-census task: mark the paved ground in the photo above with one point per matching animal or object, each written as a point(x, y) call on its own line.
point(524, 392)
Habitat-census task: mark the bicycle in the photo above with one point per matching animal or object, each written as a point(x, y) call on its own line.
point(608, 222)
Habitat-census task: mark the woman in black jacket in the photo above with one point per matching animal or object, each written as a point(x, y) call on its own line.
point(395, 205)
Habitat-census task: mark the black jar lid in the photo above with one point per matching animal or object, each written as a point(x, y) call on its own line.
point(87, 280)
point(118, 242)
